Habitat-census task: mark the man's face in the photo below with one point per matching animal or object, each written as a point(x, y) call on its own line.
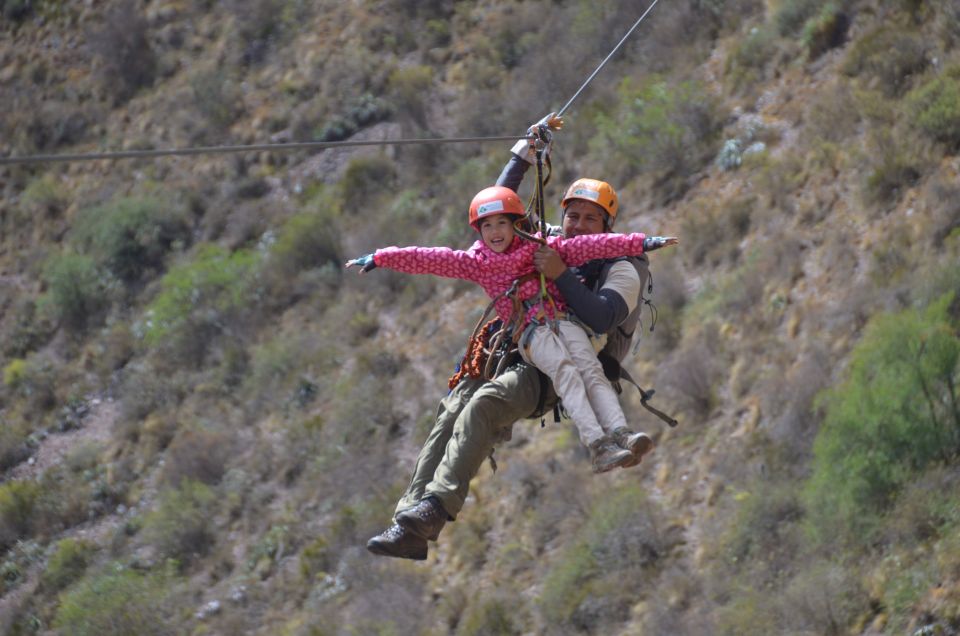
point(583, 217)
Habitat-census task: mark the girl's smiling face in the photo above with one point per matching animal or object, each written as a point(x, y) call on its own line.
point(497, 232)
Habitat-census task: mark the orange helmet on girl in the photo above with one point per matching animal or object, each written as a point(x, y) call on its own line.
point(494, 200)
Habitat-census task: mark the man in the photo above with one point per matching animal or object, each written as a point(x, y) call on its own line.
point(478, 413)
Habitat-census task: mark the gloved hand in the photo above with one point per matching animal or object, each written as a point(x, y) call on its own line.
point(656, 242)
point(365, 263)
point(543, 131)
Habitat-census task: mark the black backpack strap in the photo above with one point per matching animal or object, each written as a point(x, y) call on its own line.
point(615, 373)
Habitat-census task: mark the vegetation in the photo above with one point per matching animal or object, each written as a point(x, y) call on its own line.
point(203, 416)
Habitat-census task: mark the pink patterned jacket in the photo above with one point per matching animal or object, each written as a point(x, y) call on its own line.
point(496, 272)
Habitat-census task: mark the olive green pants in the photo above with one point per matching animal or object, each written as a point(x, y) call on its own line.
point(470, 421)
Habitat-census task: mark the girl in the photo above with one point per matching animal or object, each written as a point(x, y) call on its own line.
point(499, 259)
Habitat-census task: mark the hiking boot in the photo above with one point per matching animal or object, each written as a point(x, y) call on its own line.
point(606, 455)
point(639, 444)
point(397, 542)
point(425, 520)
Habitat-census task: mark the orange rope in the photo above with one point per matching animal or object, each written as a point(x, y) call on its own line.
point(475, 357)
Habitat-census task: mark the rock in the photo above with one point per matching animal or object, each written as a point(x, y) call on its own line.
point(210, 609)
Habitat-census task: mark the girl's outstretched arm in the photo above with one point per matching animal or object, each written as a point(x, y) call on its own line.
point(439, 261)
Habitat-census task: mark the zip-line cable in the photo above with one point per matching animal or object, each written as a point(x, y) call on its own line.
point(607, 59)
point(212, 150)
point(301, 145)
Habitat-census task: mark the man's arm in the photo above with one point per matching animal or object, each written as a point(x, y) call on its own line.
point(600, 311)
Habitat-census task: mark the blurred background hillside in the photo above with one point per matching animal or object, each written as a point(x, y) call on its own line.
point(203, 418)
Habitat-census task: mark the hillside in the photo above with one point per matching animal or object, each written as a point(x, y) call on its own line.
point(204, 417)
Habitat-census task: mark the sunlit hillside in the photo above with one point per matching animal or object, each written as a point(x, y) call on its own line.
point(204, 416)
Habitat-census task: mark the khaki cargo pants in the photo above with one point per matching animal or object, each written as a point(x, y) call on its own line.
point(470, 421)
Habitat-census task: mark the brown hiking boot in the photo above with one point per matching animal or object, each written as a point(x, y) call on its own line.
point(397, 542)
point(639, 444)
point(425, 520)
point(606, 455)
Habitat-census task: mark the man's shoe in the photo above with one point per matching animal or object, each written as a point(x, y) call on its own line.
point(397, 542)
point(639, 444)
point(425, 520)
point(606, 455)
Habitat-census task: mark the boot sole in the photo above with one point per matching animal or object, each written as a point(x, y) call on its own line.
point(643, 447)
point(607, 467)
point(386, 550)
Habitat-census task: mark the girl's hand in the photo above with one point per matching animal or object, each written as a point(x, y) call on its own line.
point(656, 242)
point(365, 263)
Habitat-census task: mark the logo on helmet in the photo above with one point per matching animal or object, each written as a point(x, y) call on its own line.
point(492, 207)
point(583, 192)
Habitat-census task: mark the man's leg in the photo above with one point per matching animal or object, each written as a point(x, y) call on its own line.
point(433, 449)
point(492, 409)
point(396, 541)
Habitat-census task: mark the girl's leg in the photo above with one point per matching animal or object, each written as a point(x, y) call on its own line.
point(546, 351)
point(600, 393)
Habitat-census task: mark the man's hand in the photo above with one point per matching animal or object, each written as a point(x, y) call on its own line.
point(656, 242)
point(365, 263)
point(548, 262)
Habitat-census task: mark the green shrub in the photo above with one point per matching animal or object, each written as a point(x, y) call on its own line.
point(747, 62)
point(132, 236)
point(199, 301)
point(76, 291)
point(893, 166)
point(16, 10)
point(499, 615)
point(826, 30)
point(197, 455)
point(13, 444)
point(307, 240)
point(410, 88)
point(181, 527)
point(791, 15)
point(599, 576)
point(67, 564)
point(666, 131)
point(18, 502)
point(45, 196)
point(890, 56)
point(365, 179)
point(935, 108)
point(118, 602)
point(889, 418)
point(128, 62)
point(217, 98)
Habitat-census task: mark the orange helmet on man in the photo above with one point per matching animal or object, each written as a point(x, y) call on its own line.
point(594, 191)
point(494, 200)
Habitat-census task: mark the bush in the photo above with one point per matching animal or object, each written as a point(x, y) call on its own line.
point(181, 527)
point(598, 577)
point(132, 236)
point(893, 167)
point(791, 15)
point(75, 290)
point(202, 300)
point(746, 64)
point(365, 179)
point(16, 10)
point(18, 501)
point(123, 45)
point(197, 455)
point(116, 602)
point(890, 56)
point(826, 30)
point(13, 445)
point(307, 240)
point(45, 197)
point(217, 98)
point(67, 564)
point(409, 88)
point(666, 131)
point(890, 418)
point(935, 108)
point(496, 616)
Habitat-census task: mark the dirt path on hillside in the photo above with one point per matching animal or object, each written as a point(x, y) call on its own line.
point(95, 429)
